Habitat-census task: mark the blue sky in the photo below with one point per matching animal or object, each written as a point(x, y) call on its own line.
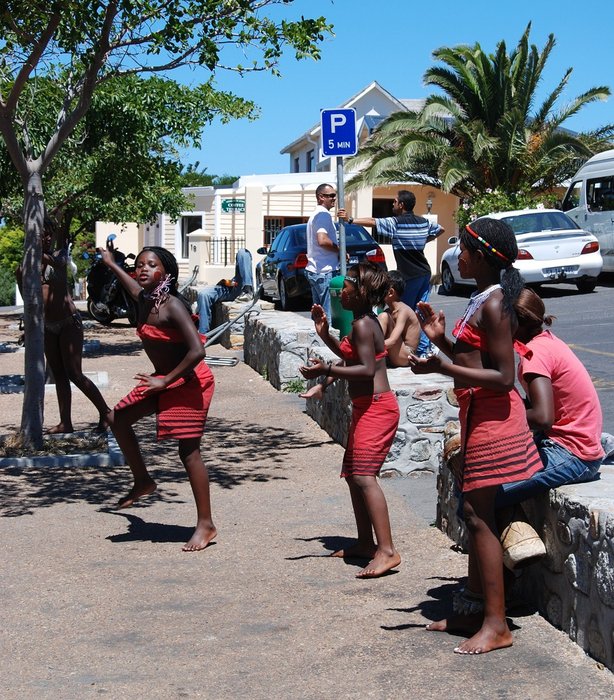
point(392, 41)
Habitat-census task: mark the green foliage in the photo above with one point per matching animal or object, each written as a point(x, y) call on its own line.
point(11, 247)
point(496, 200)
point(133, 130)
point(484, 130)
point(294, 386)
point(7, 287)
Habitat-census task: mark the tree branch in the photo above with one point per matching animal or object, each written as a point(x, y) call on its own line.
point(86, 92)
point(31, 62)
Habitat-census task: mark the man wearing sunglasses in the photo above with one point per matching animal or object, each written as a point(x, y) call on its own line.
point(322, 248)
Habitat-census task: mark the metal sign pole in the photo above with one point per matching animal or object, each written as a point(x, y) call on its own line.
point(341, 205)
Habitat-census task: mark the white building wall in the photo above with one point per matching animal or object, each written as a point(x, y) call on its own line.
point(128, 238)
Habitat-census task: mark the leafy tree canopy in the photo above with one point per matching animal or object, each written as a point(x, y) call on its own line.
point(11, 247)
point(484, 130)
point(191, 176)
point(121, 161)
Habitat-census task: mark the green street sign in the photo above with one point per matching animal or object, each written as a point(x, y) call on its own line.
point(233, 205)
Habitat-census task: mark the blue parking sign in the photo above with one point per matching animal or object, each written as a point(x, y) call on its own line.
point(338, 128)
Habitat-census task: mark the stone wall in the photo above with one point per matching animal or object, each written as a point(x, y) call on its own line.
point(238, 312)
point(276, 344)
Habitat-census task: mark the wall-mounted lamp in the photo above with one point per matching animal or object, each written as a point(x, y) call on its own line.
point(429, 205)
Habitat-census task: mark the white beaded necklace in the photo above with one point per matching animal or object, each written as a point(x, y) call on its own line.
point(475, 301)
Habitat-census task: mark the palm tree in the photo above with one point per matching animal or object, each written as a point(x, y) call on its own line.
point(483, 132)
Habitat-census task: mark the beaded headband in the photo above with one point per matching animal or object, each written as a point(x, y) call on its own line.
point(490, 248)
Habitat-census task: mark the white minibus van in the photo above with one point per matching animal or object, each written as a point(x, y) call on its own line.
point(589, 201)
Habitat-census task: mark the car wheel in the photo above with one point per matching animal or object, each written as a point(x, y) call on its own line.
point(586, 285)
point(447, 280)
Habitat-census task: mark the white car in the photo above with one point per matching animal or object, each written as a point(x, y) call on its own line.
point(551, 249)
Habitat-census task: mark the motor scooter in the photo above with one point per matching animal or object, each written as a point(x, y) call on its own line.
point(107, 299)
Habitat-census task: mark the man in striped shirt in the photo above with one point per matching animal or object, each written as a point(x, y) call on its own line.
point(409, 234)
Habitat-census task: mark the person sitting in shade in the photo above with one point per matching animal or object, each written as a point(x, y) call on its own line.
point(239, 288)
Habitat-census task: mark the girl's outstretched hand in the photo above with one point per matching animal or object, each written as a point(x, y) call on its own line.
point(425, 365)
point(317, 368)
point(433, 324)
point(320, 319)
point(315, 392)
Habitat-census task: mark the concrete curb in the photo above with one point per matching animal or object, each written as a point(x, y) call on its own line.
point(113, 457)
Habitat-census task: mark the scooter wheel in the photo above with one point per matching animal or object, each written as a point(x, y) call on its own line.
point(101, 315)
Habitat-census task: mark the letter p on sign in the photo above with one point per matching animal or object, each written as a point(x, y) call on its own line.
point(337, 121)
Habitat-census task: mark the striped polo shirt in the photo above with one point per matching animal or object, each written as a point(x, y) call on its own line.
point(409, 234)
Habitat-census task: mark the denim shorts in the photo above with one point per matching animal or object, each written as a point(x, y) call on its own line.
point(560, 467)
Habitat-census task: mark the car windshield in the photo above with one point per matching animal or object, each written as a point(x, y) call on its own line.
point(539, 221)
point(356, 235)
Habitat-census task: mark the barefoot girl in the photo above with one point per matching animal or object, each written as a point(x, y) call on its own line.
point(180, 389)
point(498, 446)
point(375, 413)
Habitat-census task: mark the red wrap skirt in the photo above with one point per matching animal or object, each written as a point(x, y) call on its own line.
point(375, 419)
point(182, 407)
point(497, 444)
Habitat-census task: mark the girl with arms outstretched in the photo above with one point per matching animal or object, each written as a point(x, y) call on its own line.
point(497, 444)
point(375, 413)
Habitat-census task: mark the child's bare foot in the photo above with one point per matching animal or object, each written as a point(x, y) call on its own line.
point(488, 638)
point(61, 428)
point(136, 492)
point(379, 565)
point(356, 551)
point(202, 537)
point(458, 623)
point(315, 392)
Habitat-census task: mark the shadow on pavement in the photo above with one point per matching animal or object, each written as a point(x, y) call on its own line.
point(228, 448)
point(438, 607)
point(141, 531)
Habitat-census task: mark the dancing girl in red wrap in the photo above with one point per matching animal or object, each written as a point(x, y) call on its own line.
point(180, 389)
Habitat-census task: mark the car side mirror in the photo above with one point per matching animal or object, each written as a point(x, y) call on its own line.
point(262, 250)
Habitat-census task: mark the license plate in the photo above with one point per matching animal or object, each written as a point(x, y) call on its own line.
point(560, 270)
point(353, 261)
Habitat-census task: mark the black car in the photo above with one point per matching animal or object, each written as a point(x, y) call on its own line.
point(281, 273)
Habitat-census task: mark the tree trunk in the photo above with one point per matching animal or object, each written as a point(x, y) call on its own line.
point(34, 363)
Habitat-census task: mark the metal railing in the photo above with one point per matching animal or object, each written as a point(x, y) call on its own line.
point(224, 250)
